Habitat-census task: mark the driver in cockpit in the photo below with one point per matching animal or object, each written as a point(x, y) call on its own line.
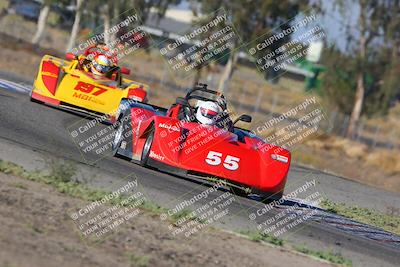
point(211, 113)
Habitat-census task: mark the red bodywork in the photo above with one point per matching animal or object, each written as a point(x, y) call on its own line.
point(208, 150)
point(50, 72)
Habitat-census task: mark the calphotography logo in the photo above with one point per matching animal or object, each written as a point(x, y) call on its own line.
point(204, 43)
point(99, 218)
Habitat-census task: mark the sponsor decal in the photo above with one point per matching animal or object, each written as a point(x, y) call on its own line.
point(170, 128)
point(280, 158)
point(155, 155)
point(87, 98)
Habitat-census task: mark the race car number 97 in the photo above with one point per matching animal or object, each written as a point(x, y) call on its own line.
point(215, 158)
point(88, 88)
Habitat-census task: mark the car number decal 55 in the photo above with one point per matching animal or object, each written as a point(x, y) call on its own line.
point(215, 158)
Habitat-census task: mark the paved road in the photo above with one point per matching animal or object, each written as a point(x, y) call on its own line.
point(27, 125)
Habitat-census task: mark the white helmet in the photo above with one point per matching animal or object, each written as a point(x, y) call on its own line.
point(207, 112)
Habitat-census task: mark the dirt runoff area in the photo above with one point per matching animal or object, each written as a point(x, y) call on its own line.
point(37, 231)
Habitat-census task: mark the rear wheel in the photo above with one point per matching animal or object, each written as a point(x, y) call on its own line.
point(147, 147)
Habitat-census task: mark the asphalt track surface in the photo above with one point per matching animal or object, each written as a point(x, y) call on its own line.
point(44, 129)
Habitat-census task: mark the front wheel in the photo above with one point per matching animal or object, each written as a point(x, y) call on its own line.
point(117, 138)
point(123, 132)
point(147, 148)
point(238, 191)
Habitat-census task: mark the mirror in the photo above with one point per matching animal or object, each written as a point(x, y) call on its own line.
point(244, 118)
point(125, 71)
point(70, 56)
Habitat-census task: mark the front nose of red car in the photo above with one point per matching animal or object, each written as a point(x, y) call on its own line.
point(275, 163)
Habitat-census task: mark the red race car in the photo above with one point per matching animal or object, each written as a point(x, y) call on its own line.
point(196, 137)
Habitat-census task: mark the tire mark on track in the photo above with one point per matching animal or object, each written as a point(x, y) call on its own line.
point(346, 224)
point(15, 87)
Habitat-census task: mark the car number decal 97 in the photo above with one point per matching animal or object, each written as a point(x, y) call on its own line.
point(88, 88)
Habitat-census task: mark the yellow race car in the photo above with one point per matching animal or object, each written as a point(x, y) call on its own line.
point(69, 85)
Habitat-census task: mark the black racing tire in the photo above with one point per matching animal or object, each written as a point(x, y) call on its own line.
point(120, 132)
point(147, 147)
point(238, 191)
point(118, 137)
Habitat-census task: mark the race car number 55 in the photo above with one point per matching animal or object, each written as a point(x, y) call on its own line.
point(215, 158)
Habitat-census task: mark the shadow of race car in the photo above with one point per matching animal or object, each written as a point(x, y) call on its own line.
point(171, 140)
point(67, 85)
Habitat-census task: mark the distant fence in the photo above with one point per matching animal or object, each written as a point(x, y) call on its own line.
point(371, 135)
point(336, 124)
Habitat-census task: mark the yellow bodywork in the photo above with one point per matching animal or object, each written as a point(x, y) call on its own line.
point(81, 89)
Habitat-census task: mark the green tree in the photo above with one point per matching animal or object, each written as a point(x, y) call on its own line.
point(370, 26)
point(76, 25)
point(42, 20)
point(339, 79)
point(250, 19)
point(41, 23)
point(109, 13)
point(367, 73)
point(389, 63)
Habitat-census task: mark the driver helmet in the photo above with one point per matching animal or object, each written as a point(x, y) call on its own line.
point(207, 112)
point(101, 65)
